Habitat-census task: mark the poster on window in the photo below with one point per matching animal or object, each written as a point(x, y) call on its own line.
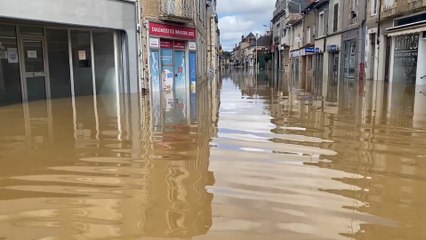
point(155, 71)
point(166, 57)
point(193, 72)
point(405, 58)
point(154, 59)
point(180, 69)
point(12, 55)
point(193, 85)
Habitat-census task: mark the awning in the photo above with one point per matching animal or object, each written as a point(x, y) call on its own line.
point(404, 31)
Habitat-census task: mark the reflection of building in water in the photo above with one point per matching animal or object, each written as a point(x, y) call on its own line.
point(179, 203)
point(97, 168)
point(379, 138)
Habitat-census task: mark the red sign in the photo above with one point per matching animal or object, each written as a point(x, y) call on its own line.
point(179, 45)
point(163, 30)
point(166, 43)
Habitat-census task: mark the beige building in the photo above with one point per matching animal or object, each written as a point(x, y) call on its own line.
point(397, 46)
point(213, 39)
point(175, 45)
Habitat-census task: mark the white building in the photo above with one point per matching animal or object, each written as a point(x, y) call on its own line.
point(60, 48)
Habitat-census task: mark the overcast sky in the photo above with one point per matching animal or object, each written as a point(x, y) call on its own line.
point(240, 17)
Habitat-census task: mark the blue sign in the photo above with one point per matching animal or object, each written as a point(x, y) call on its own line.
point(193, 84)
point(309, 50)
point(192, 66)
point(332, 48)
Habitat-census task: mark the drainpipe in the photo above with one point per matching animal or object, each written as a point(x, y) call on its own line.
point(362, 38)
point(142, 84)
point(378, 37)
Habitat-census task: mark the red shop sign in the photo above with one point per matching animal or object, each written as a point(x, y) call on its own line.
point(179, 45)
point(163, 30)
point(166, 43)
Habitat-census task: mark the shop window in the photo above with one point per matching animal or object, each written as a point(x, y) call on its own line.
point(7, 30)
point(106, 81)
point(59, 67)
point(10, 84)
point(335, 17)
point(81, 55)
point(31, 31)
point(405, 58)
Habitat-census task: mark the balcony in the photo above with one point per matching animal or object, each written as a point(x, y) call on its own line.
point(177, 11)
point(293, 18)
point(278, 13)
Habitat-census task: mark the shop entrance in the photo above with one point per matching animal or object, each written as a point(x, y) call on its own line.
point(170, 82)
point(34, 69)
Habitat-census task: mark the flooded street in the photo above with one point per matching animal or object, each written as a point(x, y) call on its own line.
point(252, 159)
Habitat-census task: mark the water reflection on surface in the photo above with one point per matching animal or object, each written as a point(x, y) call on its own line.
point(92, 168)
point(290, 164)
point(251, 159)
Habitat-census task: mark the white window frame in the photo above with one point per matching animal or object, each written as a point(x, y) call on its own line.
point(321, 24)
point(374, 6)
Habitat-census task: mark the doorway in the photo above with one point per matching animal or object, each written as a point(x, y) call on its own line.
point(34, 68)
point(333, 76)
point(170, 83)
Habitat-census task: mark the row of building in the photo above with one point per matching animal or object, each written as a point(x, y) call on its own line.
point(253, 50)
point(318, 43)
point(60, 48)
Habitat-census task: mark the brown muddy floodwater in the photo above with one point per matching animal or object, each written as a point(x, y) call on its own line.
point(249, 160)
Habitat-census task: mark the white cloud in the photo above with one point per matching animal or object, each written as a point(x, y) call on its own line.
point(240, 17)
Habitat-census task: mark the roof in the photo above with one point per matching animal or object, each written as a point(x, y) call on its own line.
point(250, 35)
point(264, 40)
point(315, 5)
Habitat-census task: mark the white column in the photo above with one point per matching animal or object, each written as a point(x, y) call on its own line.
point(421, 62)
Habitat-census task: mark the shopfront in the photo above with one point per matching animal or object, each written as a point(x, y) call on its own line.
point(47, 51)
point(408, 54)
point(408, 49)
point(172, 60)
point(38, 62)
point(350, 55)
point(333, 72)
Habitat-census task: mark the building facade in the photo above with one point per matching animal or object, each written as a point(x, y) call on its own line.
point(176, 40)
point(51, 49)
point(334, 44)
point(402, 41)
point(213, 39)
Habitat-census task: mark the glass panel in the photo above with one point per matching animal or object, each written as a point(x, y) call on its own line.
point(31, 31)
point(168, 94)
point(333, 77)
point(34, 70)
point(106, 82)
point(81, 55)
point(350, 58)
point(7, 30)
point(166, 57)
point(59, 68)
point(156, 86)
point(180, 69)
point(33, 56)
point(10, 84)
point(181, 87)
point(193, 85)
point(405, 58)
